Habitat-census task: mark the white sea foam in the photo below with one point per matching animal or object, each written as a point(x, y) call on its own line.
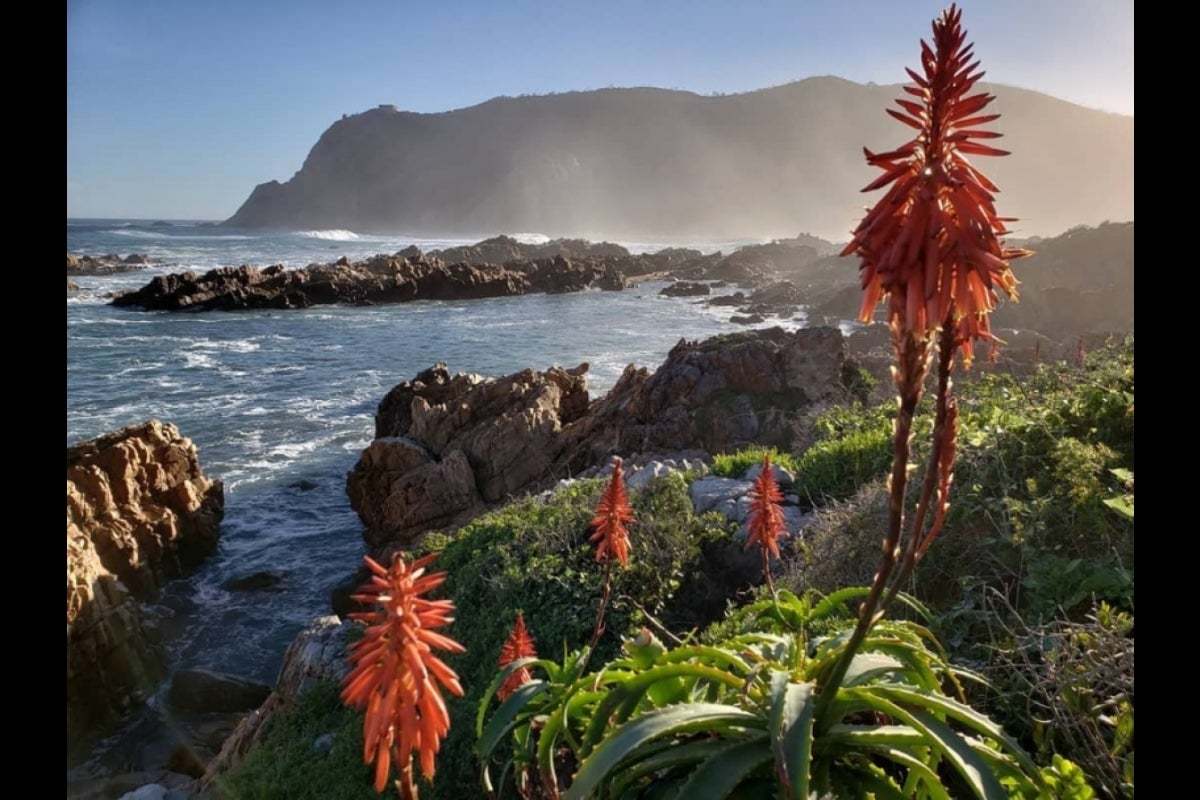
point(530, 238)
point(197, 361)
point(335, 235)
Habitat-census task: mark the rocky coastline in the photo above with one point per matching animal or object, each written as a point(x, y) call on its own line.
point(449, 446)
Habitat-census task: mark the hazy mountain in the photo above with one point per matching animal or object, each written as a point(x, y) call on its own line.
point(653, 162)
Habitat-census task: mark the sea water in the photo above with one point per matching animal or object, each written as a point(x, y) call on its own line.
point(281, 403)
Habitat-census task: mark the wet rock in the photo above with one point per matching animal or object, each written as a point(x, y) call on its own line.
point(194, 689)
point(685, 289)
point(139, 512)
point(254, 582)
point(376, 280)
point(110, 264)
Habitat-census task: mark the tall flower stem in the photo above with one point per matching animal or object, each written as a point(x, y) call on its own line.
point(910, 375)
point(604, 595)
point(941, 462)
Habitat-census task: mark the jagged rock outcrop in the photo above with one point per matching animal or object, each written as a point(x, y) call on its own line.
point(505, 250)
point(449, 445)
point(715, 395)
point(380, 279)
point(686, 289)
point(139, 512)
point(644, 162)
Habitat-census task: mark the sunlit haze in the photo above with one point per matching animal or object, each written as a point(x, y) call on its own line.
point(176, 111)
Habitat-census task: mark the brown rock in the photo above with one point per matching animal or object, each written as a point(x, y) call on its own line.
point(449, 445)
point(139, 512)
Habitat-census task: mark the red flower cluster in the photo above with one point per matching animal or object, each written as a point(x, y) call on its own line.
point(931, 244)
point(395, 669)
point(612, 513)
point(518, 645)
point(766, 517)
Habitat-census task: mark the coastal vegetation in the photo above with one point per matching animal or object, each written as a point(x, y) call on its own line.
point(1017, 590)
point(997, 663)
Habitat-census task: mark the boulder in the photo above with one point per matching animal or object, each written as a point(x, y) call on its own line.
point(207, 691)
point(453, 443)
point(686, 289)
point(139, 512)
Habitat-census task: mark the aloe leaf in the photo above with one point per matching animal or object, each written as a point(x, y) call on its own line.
point(791, 727)
point(670, 754)
point(930, 782)
point(598, 766)
point(720, 774)
point(867, 666)
point(505, 717)
point(625, 696)
point(486, 701)
point(974, 770)
point(868, 736)
point(835, 601)
point(963, 714)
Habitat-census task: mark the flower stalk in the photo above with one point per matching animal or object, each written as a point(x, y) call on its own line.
point(396, 676)
point(613, 513)
point(932, 249)
point(765, 524)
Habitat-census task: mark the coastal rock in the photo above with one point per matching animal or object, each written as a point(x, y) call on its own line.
point(207, 691)
point(107, 264)
point(72, 286)
point(779, 299)
point(400, 490)
point(449, 446)
point(506, 250)
point(452, 443)
point(318, 654)
point(139, 512)
point(735, 299)
point(686, 289)
point(379, 279)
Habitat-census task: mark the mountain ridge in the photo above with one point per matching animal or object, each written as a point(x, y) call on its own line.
point(651, 161)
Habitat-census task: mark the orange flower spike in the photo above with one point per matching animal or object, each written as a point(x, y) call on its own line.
point(612, 514)
point(518, 645)
point(395, 676)
point(766, 517)
point(932, 242)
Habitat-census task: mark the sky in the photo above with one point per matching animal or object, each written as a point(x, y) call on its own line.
point(176, 110)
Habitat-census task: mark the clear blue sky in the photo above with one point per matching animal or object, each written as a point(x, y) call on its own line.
point(175, 110)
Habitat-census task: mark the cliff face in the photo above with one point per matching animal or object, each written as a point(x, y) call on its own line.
point(630, 162)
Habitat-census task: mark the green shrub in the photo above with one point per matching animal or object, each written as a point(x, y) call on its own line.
point(534, 556)
point(285, 763)
point(734, 465)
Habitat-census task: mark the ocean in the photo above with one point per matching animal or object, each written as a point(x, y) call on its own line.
point(281, 403)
